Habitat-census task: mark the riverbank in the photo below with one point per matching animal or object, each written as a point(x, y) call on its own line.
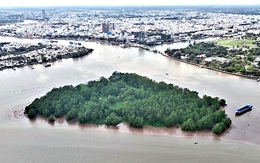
point(210, 68)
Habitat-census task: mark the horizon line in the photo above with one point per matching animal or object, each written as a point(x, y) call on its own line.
point(179, 5)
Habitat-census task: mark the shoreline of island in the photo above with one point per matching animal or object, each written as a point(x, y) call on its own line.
point(174, 132)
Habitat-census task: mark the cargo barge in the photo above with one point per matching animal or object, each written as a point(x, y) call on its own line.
point(244, 109)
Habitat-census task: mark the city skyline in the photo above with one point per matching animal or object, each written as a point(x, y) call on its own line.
point(46, 3)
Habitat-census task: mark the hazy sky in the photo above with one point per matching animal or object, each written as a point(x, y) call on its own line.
point(22, 3)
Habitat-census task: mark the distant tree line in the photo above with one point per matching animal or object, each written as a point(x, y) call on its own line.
point(134, 99)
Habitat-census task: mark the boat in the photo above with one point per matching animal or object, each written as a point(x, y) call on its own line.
point(244, 109)
point(258, 80)
point(155, 51)
point(53, 41)
point(124, 46)
point(48, 65)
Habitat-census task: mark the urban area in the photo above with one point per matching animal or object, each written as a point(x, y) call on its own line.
point(135, 27)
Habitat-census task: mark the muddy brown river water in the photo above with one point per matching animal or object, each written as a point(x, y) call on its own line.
point(24, 141)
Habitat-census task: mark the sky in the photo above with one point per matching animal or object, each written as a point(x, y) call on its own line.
point(41, 3)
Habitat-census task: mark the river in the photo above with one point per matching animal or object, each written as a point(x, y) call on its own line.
point(37, 141)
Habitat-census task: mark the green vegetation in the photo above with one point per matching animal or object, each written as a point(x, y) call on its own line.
point(31, 114)
point(221, 126)
point(222, 102)
point(133, 99)
point(217, 57)
point(51, 119)
point(218, 128)
point(245, 43)
point(196, 49)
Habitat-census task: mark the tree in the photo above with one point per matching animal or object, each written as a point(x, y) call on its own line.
point(51, 119)
point(135, 121)
point(218, 116)
point(31, 114)
point(171, 120)
point(189, 125)
point(72, 114)
point(205, 122)
point(227, 122)
point(46, 112)
point(82, 119)
point(219, 128)
point(113, 120)
point(222, 102)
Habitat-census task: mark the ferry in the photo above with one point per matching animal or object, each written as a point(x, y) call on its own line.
point(244, 109)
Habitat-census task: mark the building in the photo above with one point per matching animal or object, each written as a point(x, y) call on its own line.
point(43, 15)
point(142, 35)
point(105, 27)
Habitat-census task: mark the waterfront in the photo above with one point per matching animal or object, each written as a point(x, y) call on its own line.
point(20, 137)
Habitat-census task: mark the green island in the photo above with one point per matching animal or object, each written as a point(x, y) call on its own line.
point(137, 100)
point(244, 61)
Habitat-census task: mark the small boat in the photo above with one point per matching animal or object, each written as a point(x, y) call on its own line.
point(53, 41)
point(48, 65)
point(244, 109)
point(258, 80)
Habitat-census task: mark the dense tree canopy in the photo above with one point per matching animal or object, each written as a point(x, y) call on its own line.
point(133, 99)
